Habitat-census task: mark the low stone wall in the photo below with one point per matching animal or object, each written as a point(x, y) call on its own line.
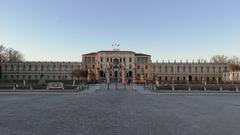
point(193, 87)
point(37, 87)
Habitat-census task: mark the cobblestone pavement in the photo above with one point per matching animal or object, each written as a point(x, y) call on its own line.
point(119, 112)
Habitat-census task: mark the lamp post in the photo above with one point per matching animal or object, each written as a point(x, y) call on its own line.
point(173, 88)
point(237, 87)
point(108, 74)
point(1, 61)
point(115, 69)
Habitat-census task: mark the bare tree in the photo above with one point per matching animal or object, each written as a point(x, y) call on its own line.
point(234, 60)
point(219, 59)
point(235, 67)
point(79, 73)
point(10, 55)
point(2, 49)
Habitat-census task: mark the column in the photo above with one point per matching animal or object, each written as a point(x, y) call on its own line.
point(89, 75)
point(108, 73)
point(123, 73)
point(97, 71)
point(134, 73)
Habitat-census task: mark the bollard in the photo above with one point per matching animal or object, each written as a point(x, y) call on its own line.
point(189, 88)
point(237, 88)
point(173, 88)
point(205, 88)
point(221, 89)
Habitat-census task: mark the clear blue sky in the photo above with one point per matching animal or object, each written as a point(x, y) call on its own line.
point(166, 29)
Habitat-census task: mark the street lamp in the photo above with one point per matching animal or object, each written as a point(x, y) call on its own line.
point(173, 88)
point(115, 75)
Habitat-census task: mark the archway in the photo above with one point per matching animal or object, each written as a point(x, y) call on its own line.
point(101, 74)
point(190, 78)
point(130, 74)
point(115, 74)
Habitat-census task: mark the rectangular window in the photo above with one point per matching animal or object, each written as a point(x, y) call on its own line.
point(60, 67)
point(225, 69)
point(30, 67)
point(17, 67)
point(36, 67)
point(6, 67)
point(42, 68)
point(48, 68)
point(11, 67)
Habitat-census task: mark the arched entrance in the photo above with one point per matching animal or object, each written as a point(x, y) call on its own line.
point(130, 74)
point(115, 74)
point(116, 68)
point(190, 78)
point(101, 74)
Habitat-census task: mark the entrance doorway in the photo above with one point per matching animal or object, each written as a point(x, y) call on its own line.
point(115, 74)
point(190, 78)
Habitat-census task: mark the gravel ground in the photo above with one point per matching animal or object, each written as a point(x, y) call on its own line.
point(119, 112)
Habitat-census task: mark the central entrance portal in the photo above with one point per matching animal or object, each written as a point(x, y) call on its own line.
point(115, 74)
point(116, 68)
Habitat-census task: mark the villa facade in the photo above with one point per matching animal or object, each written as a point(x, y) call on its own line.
point(117, 65)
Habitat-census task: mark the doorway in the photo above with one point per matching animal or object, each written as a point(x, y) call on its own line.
point(190, 78)
point(115, 74)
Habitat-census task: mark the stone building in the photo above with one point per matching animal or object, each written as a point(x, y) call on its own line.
point(231, 76)
point(139, 67)
point(38, 70)
point(119, 66)
point(189, 71)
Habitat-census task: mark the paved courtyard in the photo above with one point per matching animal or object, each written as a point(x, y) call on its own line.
point(119, 112)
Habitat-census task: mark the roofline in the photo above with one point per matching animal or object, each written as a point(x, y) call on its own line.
point(110, 51)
